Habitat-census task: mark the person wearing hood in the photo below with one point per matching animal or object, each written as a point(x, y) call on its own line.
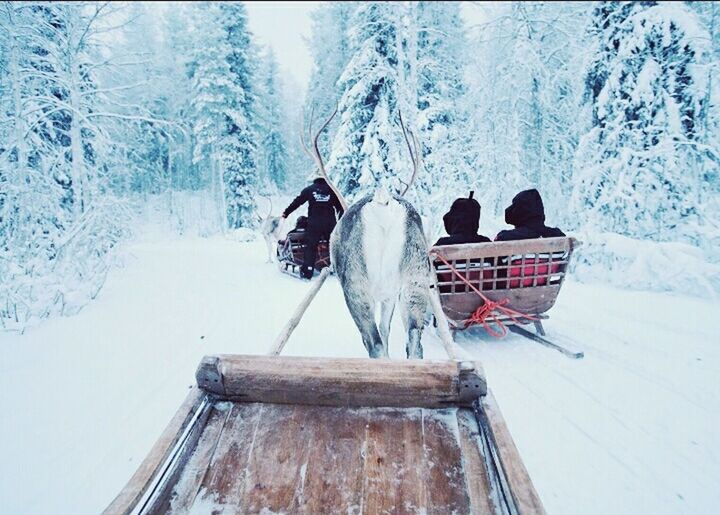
point(323, 206)
point(527, 214)
point(462, 223)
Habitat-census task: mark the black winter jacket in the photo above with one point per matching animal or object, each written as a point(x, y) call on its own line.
point(527, 214)
point(462, 222)
point(322, 206)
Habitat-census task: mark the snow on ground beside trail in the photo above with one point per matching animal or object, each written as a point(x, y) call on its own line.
point(629, 429)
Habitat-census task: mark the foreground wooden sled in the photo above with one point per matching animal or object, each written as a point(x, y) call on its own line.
point(526, 276)
point(321, 435)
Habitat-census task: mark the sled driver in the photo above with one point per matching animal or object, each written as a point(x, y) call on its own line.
point(322, 208)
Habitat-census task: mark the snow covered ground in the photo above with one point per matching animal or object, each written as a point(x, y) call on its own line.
point(631, 429)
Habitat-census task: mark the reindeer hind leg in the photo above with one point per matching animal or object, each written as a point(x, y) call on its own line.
point(361, 307)
point(387, 308)
point(414, 305)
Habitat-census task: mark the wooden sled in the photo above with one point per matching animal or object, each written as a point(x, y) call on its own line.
point(291, 250)
point(268, 434)
point(528, 274)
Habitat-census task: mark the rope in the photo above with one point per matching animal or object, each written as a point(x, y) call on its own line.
point(489, 309)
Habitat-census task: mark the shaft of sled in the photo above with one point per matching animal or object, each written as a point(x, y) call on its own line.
point(283, 337)
point(442, 324)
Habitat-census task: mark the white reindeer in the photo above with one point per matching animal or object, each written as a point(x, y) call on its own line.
point(380, 255)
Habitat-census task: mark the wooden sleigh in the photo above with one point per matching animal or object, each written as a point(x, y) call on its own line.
point(525, 276)
point(271, 434)
point(268, 434)
point(291, 250)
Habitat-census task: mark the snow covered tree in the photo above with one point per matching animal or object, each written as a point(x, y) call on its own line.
point(368, 148)
point(223, 105)
point(526, 86)
point(331, 53)
point(59, 221)
point(639, 167)
point(436, 66)
point(299, 163)
point(274, 154)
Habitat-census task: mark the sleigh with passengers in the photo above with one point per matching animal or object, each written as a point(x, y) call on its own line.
point(503, 285)
point(291, 250)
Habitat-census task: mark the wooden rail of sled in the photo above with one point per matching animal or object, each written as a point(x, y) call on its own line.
point(525, 497)
point(342, 381)
point(138, 484)
point(507, 248)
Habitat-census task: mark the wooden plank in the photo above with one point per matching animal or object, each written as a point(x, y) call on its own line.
point(523, 492)
point(225, 483)
point(395, 463)
point(444, 469)
point(476, 476)
point(335, 462)
point(341, 382)
point(532, 301)
point(252, 458)
point(275, 474)
point(505, 248)
point(136, 487)
point(178, 497)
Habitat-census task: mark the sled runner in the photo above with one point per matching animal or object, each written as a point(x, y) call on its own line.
point(322, 435)
point(290, 254)
point(502, 285)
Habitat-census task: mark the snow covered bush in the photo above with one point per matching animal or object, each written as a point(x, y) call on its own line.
point(645, 265)
point(59, 277)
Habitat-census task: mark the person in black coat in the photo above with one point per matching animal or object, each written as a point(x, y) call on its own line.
point(462, 223)
point(527, 214)
point(322, 208)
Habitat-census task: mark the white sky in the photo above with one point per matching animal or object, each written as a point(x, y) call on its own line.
point(285, 27)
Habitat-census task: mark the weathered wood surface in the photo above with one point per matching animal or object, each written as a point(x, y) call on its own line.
point(482, 498)
point(314, 459)
point(284, 335)
point(506, 248)
point(523, 492)
point(151, 465)
point(532, 301)
point(341, 382)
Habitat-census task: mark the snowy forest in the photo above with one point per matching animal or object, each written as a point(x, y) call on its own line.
point(118, 115)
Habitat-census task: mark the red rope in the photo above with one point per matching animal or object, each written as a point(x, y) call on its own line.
point(488, 309)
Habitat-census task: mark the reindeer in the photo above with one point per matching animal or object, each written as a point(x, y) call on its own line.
point(270, 228)
point(380, 256)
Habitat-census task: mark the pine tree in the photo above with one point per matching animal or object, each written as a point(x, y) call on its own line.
point(223, 106)
point(639, 166)
point(331, 53)
point(368, 149)
point(274, 152)
point(442, 117)
point(526, 90)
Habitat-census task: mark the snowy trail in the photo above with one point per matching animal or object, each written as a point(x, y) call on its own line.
point(629, 429)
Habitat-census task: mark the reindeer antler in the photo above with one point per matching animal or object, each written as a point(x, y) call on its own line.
point(414, 151)
point(314, 152)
